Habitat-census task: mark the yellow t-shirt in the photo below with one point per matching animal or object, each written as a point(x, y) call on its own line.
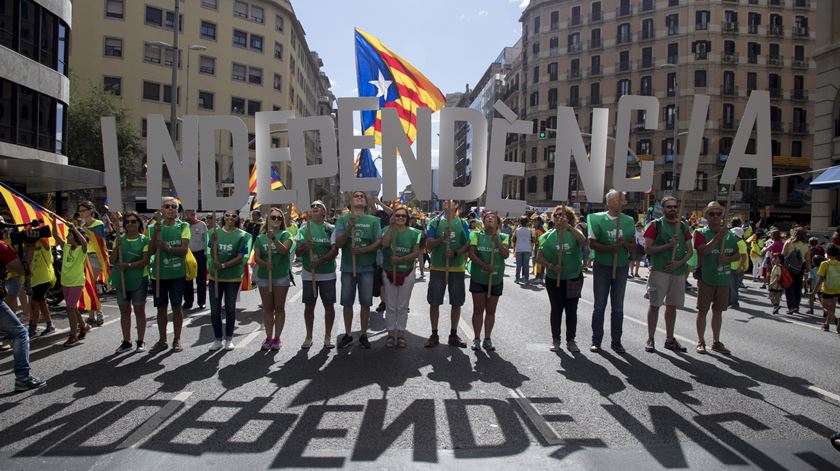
point(830, 267)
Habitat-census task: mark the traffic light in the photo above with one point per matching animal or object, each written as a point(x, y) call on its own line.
point(542, 129)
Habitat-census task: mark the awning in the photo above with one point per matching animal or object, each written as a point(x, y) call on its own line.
point(828, 180)
point(43, 177)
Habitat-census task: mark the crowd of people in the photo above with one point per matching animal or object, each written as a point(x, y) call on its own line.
point(181, 260)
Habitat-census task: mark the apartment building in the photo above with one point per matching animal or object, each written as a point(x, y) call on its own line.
point(234, 57)
point(588, 54)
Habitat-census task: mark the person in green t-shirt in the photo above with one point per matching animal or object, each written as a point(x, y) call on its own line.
point(316, 251)
point(667, 244)
point(715, 273)
point(400, 248)
point(170, 240)
point(358, 235)
point(74, 255)
point(274, 238)
point(611, 236)
point(563, 296)
point(134, 248)
point(488, 251)
point(226, 269)
point(446, 269)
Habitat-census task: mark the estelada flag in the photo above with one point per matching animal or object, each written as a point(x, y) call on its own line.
point(89, 301)
point(397, 84)
point(101, 249)
point(24, 211)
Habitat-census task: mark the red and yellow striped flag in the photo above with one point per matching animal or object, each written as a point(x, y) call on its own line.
point(89, 301)
point(101, 249)
point(24, 211)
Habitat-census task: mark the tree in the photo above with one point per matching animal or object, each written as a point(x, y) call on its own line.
point(84, 133)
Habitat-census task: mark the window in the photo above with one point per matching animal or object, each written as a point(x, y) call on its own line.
point(168, 56)
point(534, 149)
point(623, 33)
point(574, 42)
point(671, 79)
point(7, 101)
point(647, 29)
point(239, 72)
point(623, 88)
point(254, 107)
point(699, 78)
point(624, 61)
point(115, 9)
point(278, 51)
point(596, 11)
point(548, 182)
point(532, 181)
point(237, 105)
point(63, 51)
point(552, 98)
point(536, 24)
point(113, 47)
point(208, 30)
point(27, 32)
point(255, 75)
point(574, 95)
point(257, 14)
point(552, 71)
point(167, 94)
point(211, 4)
point(753, 22)
point(152, 53)
point(112, 85)
point(240, 9)
point(553, 46)
point(535, 98)
point(595, 38)
point(796, 149)
point(728, 115)
point(278, 82)
point(555, 19)
point(595, 93)
point(240, 38)
point(278, 23)
point(575, 19)
point(753, 51)
point(595, 65)
point(154, 16)
point(672, 22)
point(673, 53)
point(207, 65)
point(647, 57)
point(205, 100)
point(536, 74)
point(701, 20)
point(647, 86)
point(752, 81)
point(670, 116)
point(151, 91)
point(535, 49)
point(256, 42)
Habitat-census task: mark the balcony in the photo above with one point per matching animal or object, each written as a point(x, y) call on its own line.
point(775, 93)
point(673, 59)
point(776, 3)
point(729, 58)
point(777, 126)
point(554, 51)
point(729, 27)
point(594, 100)
point(623, 11)
point(800, 31)
point(802, 4)
point(646, 91)
point(752, 28)
point(574, 21)
point(645, 63)
point(799, 128)
point(647, 5)
point(574, 48)
point(727, 124)
point(752, 59)
point(623, 66)
point(646, 36)
point(555, 25)
point(595, 71)
point(776, 30)
point(595, 44)
point(799, 95)
point(729, 90)
point(573, 74)
point(623, 39)
point(573, 102)
point(800, 63)
point(596, 17)
point(640, 127)
point(776, 61)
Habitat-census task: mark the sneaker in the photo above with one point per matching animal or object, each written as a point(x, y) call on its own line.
point(795, 311)
point(456, 341)
point(201, 307)
point(650, 347)
point(186, 307)
point(720, 348)
point(141, 346)
point(381, 307)
point(159, 346)
point(488, 345)
point(328, 343)
point(762, 287)
point(33, 330)
point(825, 327)
point(675, 346)
point(618, 348)
point(266, 345)
point(72, 341)
point(217, 345)
point(476, 346)
point(125, 346)
point(275, 344)
point(99, 319)
point(434, 341)
point(84, 331)
point(572, 346)
point(30, 382)
point(91, 321)
point(307, 343)
point(228, 344)
point(594, 348)
point(809, 311)
point(50, 329)
point(776, 309)
point(363, 341)
point(701, 348)
point(345, 341)
point(555, 345)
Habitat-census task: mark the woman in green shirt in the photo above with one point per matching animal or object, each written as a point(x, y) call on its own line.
point(400, 248)
point(74, 255)
point(486, 246)
point(565, 294)
point(226, 269)
point(131, 258)
point(273, 236)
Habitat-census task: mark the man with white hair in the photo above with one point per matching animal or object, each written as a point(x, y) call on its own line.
point(611, 236)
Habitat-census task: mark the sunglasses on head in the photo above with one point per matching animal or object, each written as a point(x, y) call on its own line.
point(276, 218)
point(169, 206)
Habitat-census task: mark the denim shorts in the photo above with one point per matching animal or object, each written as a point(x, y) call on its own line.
point(137, 296)
point(364, 281)
point(326, 291)
point(263, 283)
point(170, 290)
point(13, 286)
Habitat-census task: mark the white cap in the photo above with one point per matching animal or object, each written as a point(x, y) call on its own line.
point(738, 232)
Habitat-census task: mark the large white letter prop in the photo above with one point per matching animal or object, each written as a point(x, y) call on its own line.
point(182, 171)
point(267, 155)
point(500, 129)
point(569, 143)
point(394, 139)
point(688, 172)
point(348, 143)
point(626, 104)
point(478, 124)
point(111, 156)
point(209, 199)
point(301, 171)
point(758, 113)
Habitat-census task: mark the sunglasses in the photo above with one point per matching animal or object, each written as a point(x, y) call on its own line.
point(359, 195)
point(132, 221)
point(400, 216)
point(276, 218)
point(670, 206)
point(169, 206)
point(231, 216)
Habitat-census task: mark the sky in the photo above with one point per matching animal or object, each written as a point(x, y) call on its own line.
point(451, 42)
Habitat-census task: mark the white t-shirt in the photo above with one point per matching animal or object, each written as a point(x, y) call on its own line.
point(640, 238)
point(523, 239)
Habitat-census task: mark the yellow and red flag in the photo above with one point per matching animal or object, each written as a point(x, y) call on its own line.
point(24, 211)
point(101, 249)
point(89, 301)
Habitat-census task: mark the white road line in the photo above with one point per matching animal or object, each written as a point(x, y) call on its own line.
point(825, 393)
point(248, 338)
point(543, 427)
point(154, 421)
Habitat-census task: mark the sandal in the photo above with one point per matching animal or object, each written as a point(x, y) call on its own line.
point(401, 342)
point(390, 342)
point(701, 348)
point(720, 348)
point(176, 346)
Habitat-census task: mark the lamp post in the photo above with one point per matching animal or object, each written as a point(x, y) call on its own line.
point(194, 47)
point(676, 122)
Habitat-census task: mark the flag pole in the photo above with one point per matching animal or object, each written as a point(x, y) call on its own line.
point(311, 253)
point(615, 254)
point(158, 230)
point(120, 261)
point(448, 246)
point(270, 249)
point(679, 226)
point(214, 252)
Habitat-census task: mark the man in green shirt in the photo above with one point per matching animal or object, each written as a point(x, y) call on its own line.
point(358, 235)
point(715, 273)
point(611, 236)
point(171, 247)
point(446, 270)
point(666, 243)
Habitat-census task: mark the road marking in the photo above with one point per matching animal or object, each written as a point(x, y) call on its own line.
point(644, 323)
point(170, 326)
point(154, 421)
point(248, 338)
point(545, 429)
point(825, 393)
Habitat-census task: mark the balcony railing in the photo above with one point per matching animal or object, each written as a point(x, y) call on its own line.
point(596, 17)
point(799, 128)
point(623, 66)
point(646, 91)
point(729, 27)
point(646, 36)
point(595, 44)
point(624, 39)
point(594, 100)
point(800, 31)
point(800, 63)
point(776, 61)
point(776, 30)
point(643, 64)
point(729, 90)
point(701, 55)
point(729, 58)
point(647, 5)
point(776, 3)
point(574, 21)
point(776, 93)
point(573, 102)
point(805, 4)
point(752, 28)
point(752, 59)
point(595, 71)
point(777, 126)
point(727, 124)
point(623, 11)
point(574, 48)
point(573, 74)
point(799, 95)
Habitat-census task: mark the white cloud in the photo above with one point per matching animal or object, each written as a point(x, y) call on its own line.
point(462, 17)
point(482, 13)
point(522, 3)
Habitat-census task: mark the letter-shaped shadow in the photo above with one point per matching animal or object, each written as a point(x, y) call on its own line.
point(580, 369)
point(713, 423)
point(291, 455)
point(463, 436)
point(375, 438)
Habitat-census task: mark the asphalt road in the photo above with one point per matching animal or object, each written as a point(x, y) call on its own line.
point(770, 405)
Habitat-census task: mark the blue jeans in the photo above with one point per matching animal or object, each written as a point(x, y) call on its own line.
point(11, 327)
point(604, 286)
point(522, 260)
point(227, 290)
point(734, 281)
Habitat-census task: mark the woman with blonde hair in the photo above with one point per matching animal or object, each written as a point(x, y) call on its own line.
point(488, 251)
point(272, 256)
point(400, 248)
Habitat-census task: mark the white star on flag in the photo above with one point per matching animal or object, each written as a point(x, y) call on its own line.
point(381, 85)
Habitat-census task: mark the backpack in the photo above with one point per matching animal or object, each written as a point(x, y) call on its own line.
point(793, 261)
point(787, 278)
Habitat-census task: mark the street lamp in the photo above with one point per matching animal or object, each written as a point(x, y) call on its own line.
point(194, 47)
point(676, 127)
point(173, 96)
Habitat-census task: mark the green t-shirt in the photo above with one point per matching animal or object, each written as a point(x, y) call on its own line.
point(280, 263)
point(458, 238)
point(132, 251)
point(73, 266)
point(664, 233)
point(229, 244)
point(171, 265)
point(405, 242)
point(367, 232)
point(603, 229)
point(484, 246)
point(572, 254)
point(713, 273)
point(321, 244)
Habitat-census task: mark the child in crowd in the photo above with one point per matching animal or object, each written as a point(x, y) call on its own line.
point(816, 260)
point(776, 282)
point(829, 281)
